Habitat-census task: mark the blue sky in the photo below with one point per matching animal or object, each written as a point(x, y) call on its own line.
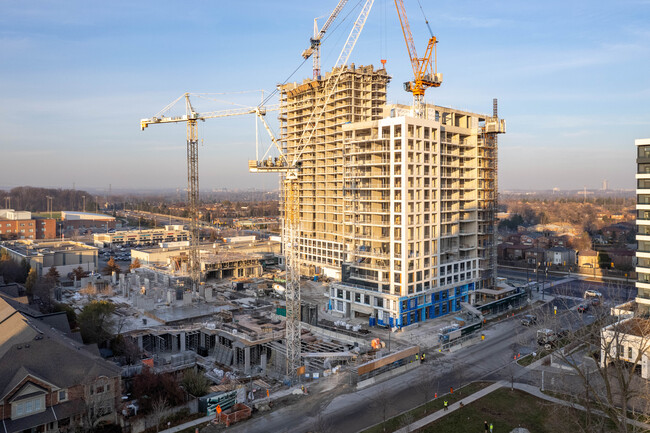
point(76, 77)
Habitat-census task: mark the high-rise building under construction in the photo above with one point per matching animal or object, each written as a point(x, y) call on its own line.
point(399, 210)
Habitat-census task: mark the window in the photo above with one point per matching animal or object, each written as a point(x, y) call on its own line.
point(28, 407)
point(63, 395)
point(629, 352)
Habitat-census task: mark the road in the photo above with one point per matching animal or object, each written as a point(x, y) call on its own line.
point(350, 412)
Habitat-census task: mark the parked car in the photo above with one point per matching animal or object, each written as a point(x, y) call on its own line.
point(528, 320)
point(595, 302)
point(583, 308)
point(592, 294)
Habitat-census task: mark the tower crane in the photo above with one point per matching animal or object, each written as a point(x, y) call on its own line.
point(314, 49)
point(289, 168)
point(425, 70)
point(191, 119)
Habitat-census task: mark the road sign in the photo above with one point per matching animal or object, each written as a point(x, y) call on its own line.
point(218, 409)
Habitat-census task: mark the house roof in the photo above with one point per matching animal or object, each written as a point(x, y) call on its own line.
point(52, 413)
point(32, 348)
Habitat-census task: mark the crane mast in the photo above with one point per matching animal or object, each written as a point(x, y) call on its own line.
point(315, 41)
point(425, 69)
point(191, 119)
point(290, 169)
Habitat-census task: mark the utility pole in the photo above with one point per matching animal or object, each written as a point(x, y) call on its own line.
point(83, 198)
point(49, 204)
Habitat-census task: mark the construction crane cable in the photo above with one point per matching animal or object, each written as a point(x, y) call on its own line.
point(283, 83)
point(303, 62)
point(328, 34)
point(425, 19)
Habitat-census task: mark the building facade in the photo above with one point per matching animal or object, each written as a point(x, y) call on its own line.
point(171, 233)
point(643, 225)
point(64, 255)
point(49, 382)
point(21, 225)
point(400, 209)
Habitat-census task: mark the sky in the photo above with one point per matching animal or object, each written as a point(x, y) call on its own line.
point(572, 79)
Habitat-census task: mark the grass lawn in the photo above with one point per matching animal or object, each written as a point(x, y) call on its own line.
point(55, 215)
point(432, 406)
point(507, 409)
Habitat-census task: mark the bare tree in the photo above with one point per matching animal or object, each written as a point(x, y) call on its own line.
point(99, 402)
point(159, 409)
point(604, 359)
point(381, 403)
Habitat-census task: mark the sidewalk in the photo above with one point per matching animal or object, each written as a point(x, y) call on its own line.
point(437, 415)
point(533, 390)
point(206, 419)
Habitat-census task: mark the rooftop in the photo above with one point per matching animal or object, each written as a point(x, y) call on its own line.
point(30, 248)
point(635, 326)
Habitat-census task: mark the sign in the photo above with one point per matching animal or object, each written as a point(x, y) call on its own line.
point(218, 409)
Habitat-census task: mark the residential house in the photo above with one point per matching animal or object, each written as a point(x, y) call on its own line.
point(561, 256)
point(48, 381)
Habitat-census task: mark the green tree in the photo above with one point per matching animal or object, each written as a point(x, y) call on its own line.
point(25, 268)
point(604, 261)
point(195, 383)
point(95, 322)
point(69, 312)
point(111, 266)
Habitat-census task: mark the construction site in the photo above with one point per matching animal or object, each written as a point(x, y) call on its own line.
point(394, 206)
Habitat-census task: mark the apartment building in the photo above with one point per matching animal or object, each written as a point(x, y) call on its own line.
point(643, 225)
point(21, 225)
point(628, 340)
point(400, 209)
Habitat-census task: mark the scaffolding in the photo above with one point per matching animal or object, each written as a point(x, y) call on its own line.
point(359, 96)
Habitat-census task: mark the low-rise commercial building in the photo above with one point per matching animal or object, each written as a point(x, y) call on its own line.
point(171, 233)
point(64, 255)
point(78, 220)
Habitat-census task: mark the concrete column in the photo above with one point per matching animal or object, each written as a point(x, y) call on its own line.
point(140, 342)
point(263, 362)
point(247, 360)
point(182, 336)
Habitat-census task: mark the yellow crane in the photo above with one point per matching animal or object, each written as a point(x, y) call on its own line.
point(425, 69)
point(191, 118)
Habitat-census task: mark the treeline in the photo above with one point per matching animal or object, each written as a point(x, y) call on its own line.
point(34, 199)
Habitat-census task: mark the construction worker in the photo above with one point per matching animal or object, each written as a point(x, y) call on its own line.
point(423, 356)
point(417, 356)
point(445, 404)
point(486, 427)
point(491, 427)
